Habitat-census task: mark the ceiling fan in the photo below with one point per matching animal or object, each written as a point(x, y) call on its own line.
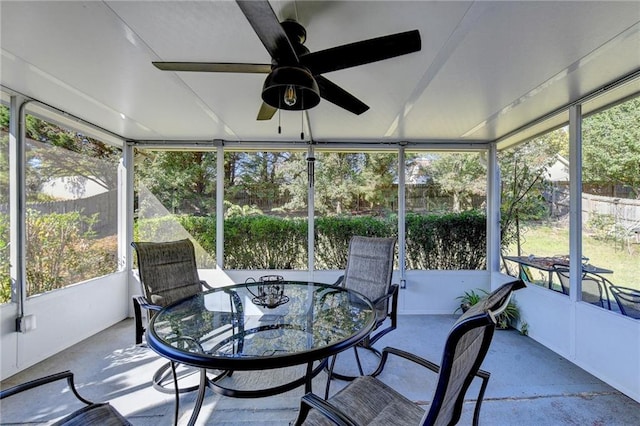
point(294, 80)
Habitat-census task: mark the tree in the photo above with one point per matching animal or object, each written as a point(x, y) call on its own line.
point(378, 179)
point(337, 181)
point(460, 175)
point(184, 182)
point(53, 151)
point(611, 146)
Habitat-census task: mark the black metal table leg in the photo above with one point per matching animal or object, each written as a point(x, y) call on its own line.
point(201, 391)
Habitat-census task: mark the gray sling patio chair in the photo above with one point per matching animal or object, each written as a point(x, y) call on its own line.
point(368, 400)
point(368, 271)
point(168, 273)
point(628, 300)
point(593, 286)
point(92, 413)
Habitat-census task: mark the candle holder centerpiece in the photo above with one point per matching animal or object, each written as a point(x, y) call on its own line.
point(270, 291)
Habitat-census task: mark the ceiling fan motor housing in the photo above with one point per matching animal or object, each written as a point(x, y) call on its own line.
point(307, 91)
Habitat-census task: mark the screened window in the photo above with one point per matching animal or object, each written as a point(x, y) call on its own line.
point(175, 198)
point(611, 196)
point(445, 210)
point(71, 201)
point(265, 199)
point(355, 194)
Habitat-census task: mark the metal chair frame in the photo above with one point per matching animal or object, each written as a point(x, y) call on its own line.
point(471, 336)
point(387, 302)
point(92, 411)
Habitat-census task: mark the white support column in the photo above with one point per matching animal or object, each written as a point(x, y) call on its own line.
point(493, 210)
point(401, 215)
point(575, 220)
point(17, 204)
point(220, 206)
point(575, 205)
point(311, 170)
point(125, 207)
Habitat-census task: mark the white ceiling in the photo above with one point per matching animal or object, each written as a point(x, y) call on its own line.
point(485, 69)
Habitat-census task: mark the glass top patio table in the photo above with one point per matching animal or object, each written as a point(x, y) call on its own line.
point(261, 326)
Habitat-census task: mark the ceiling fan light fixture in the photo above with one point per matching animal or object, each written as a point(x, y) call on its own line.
point(290, 95)
point(291, 88)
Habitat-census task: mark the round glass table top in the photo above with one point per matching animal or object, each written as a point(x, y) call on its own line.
point(261, 325)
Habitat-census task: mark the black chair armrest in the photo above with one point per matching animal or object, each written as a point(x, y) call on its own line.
point(393, 293)
point(311, 400)
point(339, 281)
point(68, 375)
point(206, 285)
point(140, 302)
point(418, 360)
point(145, 304)
point(405, 355)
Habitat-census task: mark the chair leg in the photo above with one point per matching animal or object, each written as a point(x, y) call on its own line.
point(348, 378)
point(484, 376)
point(138, 316)
point(355, 351)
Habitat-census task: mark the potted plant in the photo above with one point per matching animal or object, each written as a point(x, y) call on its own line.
point(509, 316)
point(468, 299)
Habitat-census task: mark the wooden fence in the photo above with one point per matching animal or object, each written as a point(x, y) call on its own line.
point(105, 205)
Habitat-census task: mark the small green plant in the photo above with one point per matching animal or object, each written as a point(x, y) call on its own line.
point(468, 299)
point(509, 316)
point(524, 328)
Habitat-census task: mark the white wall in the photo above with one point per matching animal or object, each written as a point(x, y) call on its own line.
point(63, 318)
point(602, 342)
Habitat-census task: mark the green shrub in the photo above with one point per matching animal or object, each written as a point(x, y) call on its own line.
point(332, 235)
point(5, 266)
point(265, 242)
point(59, 253)
point(450, 241)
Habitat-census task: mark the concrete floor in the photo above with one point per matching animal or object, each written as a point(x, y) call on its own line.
point(529, 385)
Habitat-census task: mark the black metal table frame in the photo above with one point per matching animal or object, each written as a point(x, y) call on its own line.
point(531, 262)
point(227, 365)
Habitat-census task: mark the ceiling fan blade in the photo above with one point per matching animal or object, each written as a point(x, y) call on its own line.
point(213, 67)
point(362, 52)
point(266, 25)
point(340, 97)
point(266, 112)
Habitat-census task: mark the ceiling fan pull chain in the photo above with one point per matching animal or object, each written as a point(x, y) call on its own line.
point(302, 123)
point(279, 121)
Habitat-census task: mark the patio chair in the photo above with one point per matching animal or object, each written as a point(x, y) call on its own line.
point(628, 300)
point(92, 413)
point(594, 289)
point(367, 400)
point(368, 271)
point(168, 273)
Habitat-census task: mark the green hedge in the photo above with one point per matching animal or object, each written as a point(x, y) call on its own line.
point(451, 241)
point(332, 235)
point(265, 242)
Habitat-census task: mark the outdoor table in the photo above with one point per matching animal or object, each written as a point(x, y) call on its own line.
point(547, 264)
point(260, 326)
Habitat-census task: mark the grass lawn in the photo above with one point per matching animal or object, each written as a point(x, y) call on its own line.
point(553, 239)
